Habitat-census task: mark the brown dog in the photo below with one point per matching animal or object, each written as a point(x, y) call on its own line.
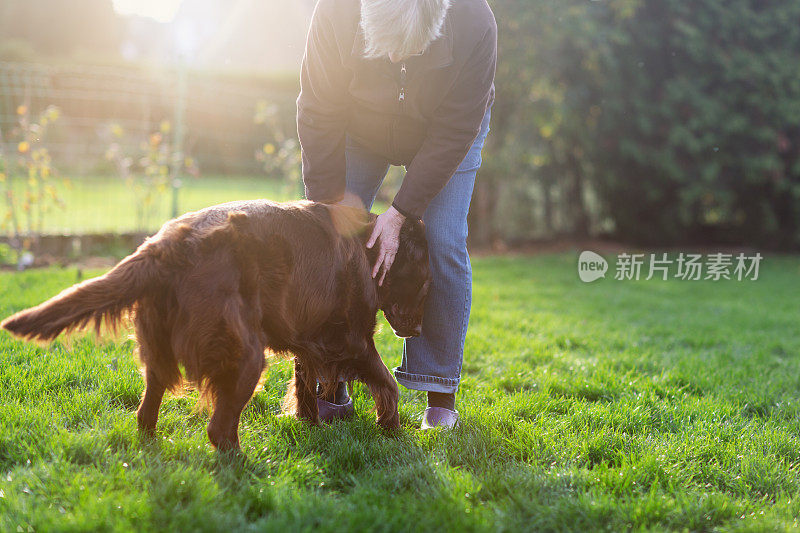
point(215, 288)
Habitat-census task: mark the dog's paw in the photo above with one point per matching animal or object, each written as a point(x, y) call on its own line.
point(390, 423)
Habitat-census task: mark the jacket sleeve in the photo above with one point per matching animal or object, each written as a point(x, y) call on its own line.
point(322, 110)
point(453, 128)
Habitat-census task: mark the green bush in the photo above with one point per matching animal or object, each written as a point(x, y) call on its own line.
point(7, 255)
point(701, 122)
point(681, 118)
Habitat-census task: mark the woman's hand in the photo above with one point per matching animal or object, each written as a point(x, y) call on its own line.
point(387, 234)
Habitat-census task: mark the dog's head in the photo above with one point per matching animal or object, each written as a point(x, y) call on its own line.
point(405, 288)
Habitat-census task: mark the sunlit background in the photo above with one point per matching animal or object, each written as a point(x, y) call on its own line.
point(657, 122)
point(160, 10)
point(261, 34)
point(100, 98)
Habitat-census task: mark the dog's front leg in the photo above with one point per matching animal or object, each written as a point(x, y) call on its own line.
point(303, 389)
point(383, 388)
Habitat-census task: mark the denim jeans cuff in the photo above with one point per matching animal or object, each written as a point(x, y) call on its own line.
point(422, 382)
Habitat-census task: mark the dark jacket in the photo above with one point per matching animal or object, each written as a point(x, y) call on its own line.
point(429, 129)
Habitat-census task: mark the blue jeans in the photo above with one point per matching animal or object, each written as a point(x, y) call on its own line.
point(432, 361)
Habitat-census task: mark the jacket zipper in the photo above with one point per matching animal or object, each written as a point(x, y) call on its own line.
point(401, 97)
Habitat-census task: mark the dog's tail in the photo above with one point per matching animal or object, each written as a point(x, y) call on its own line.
point(104, 299)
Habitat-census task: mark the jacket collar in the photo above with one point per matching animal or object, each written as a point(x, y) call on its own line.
point(438, 55)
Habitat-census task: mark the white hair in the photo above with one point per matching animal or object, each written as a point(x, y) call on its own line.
point(401, 27)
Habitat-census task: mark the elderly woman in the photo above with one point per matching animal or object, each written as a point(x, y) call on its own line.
point(404, 82)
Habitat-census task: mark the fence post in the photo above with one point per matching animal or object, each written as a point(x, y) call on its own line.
point(178, 134)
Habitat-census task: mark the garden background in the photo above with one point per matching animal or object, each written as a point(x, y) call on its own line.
point(659, 123)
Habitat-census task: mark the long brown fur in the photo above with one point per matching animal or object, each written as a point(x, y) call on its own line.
point(216, 288)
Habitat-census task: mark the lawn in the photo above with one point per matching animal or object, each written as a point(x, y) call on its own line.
point(649, 405)
point(97, 204)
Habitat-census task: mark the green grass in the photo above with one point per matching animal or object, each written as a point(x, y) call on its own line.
point(613, 405)
point(100, 204)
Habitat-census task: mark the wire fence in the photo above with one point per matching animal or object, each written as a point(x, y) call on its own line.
point(101, 127)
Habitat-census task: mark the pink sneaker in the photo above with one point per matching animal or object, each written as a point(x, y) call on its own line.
point(439, 417)
point(328, 412)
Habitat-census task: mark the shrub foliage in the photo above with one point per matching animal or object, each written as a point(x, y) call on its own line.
point(663, 120)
